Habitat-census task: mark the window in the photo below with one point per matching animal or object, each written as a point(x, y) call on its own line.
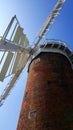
point(37, 60)
point(32, 115)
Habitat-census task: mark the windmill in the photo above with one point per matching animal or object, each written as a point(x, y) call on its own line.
point(16, 51)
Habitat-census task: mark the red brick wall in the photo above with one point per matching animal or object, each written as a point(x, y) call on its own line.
point(48, 99)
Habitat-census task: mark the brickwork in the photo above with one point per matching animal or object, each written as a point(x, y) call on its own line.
point(48, 99)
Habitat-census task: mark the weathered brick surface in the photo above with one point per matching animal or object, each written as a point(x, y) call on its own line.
point(48, 100)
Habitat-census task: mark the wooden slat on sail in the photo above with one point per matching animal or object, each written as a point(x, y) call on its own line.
point(23, 60)
point(17, 60)
point(20, 62)
point(18, 34)
point(6, 66)
point(24, 41)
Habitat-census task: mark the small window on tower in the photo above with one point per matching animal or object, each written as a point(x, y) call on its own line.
point(37, 60)
point(32, 115)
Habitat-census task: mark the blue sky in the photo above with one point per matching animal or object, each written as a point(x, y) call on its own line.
point(31, 15)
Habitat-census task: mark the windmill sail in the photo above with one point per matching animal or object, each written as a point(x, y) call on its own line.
point(15, 45)
point(50, 20)
point(16, 59)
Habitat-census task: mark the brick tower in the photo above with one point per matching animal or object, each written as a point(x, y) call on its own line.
point(48, 98)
